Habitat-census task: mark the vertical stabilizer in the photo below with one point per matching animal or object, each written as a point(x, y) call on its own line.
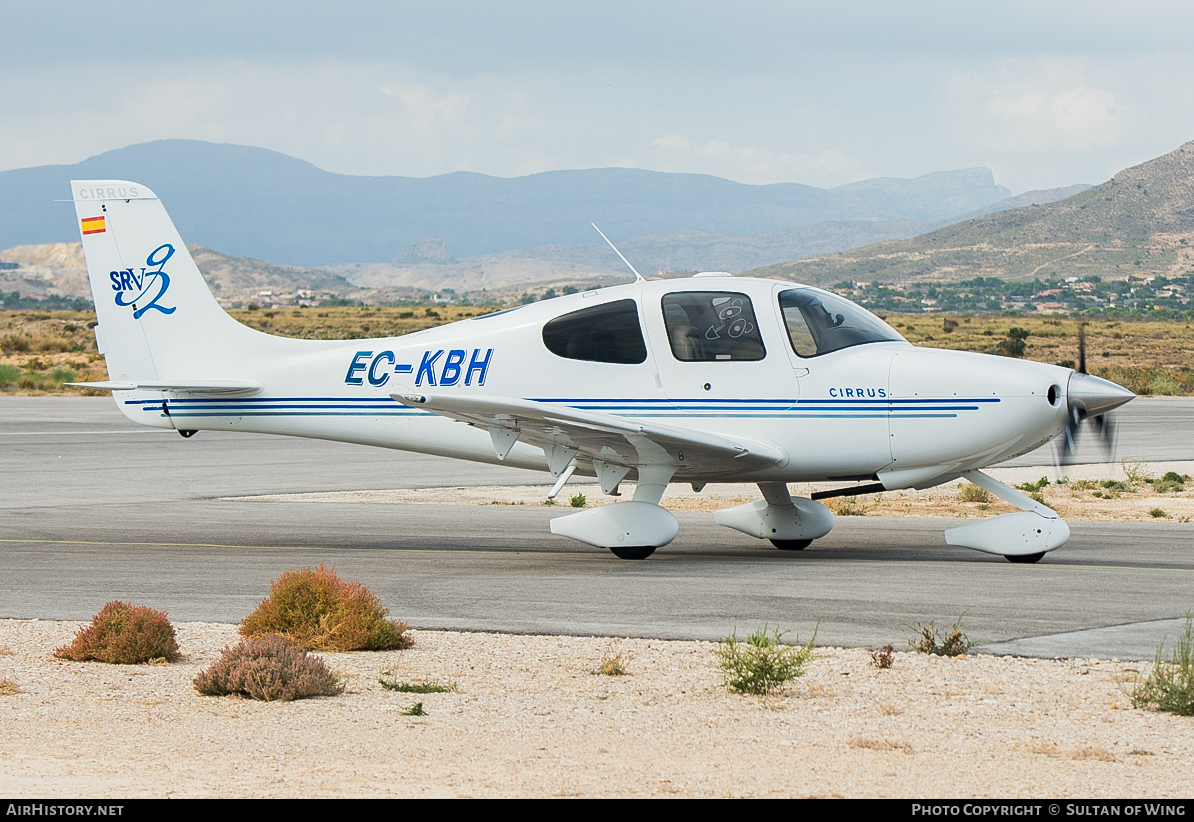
point(158, 321)
point(157, 317)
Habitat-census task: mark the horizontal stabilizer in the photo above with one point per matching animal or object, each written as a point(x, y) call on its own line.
point(228, 387)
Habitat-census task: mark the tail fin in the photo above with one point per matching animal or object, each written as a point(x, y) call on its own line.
point(158, 322)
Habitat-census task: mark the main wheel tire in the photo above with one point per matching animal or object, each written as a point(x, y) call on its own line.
point(633, 552)
point(791, 544)
point(1024, 559)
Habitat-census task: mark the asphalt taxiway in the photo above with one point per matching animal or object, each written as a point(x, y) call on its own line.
point(95, 508)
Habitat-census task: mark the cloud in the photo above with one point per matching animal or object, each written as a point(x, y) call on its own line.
point(359, 118)
point(1041, 106)
point(381, 118)
point(430, 111)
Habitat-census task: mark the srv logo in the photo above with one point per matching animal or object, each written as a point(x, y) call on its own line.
point(149, 281)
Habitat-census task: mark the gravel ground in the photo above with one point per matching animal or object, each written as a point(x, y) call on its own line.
point(531, 718)
point(1081, 497)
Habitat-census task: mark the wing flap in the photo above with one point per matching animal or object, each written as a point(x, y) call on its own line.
point(593, 435)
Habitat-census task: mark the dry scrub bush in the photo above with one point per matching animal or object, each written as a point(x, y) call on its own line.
point(319, 611)
point(969, 492)
point(267, 668)
point(8, 687)
point(763, 663)
point(929, 640)
point(1170, 685)
point(124, 634)
point(614, 663)
point(884, 657)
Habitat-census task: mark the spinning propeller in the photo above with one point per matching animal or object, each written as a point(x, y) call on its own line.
point(1090, 401)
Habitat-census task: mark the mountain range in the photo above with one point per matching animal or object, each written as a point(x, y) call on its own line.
point(385, 238)
point(252, 202)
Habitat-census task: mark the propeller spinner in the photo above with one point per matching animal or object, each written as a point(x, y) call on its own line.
point(1090, 399)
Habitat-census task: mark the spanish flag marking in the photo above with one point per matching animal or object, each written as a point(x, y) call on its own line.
point(93, 225)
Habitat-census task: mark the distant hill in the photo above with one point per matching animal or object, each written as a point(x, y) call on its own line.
point(58, 269)
point(251, 202)
point(711, 251)
point(1139, 222)
point(235, 279)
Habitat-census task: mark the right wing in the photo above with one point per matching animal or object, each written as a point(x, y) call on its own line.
point(611, 442)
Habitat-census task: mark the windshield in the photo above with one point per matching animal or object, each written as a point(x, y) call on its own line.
point(819, 322)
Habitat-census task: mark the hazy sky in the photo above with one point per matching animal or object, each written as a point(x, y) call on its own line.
point(1044, 94)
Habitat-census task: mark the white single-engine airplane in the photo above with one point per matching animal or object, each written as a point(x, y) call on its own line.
point(709, 379)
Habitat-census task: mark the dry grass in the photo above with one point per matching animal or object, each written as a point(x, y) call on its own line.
point(884, 657)
point(879, 744)
point(319, 611)
point(928, 640)
point(969, 492)
point(615, 662)
point(351, 323)
point(39, 351)
point(1093, 753)
point(389, 681)
point(1146, 357)
point(853, 506)
point(1092, 500)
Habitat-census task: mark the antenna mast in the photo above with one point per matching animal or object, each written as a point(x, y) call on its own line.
point(638, 278)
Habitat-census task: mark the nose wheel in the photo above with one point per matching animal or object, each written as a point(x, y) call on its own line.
point(791, 544)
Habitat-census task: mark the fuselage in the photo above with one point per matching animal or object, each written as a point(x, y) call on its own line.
point(838, 391)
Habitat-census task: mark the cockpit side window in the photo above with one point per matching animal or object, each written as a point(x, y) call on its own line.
point(705, 326)
point(604, 333)
point(819, 323)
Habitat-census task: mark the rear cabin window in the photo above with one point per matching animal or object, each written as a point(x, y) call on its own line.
point(603, 333)
point(707, 326)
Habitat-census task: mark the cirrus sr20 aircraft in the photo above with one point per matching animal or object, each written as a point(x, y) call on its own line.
point(708, 379)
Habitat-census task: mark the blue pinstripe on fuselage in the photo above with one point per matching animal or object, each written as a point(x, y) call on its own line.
point(622, 406)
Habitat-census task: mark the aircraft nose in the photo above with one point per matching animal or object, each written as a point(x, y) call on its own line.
point(1093, 396)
